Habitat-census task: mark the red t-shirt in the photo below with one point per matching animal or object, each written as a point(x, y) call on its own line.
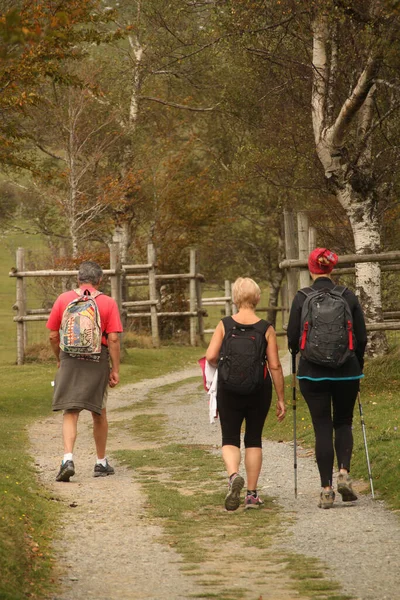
point(108, 309)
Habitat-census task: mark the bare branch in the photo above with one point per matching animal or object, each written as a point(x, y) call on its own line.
point(175, 105)
point(229, 35)
point(353, 104)
point(49, 153)
point(375, 126)
point(387, 84)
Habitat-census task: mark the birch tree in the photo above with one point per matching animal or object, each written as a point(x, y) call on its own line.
point(74, 134)
point(343, 59)
point(156, 62)
point(344, 135)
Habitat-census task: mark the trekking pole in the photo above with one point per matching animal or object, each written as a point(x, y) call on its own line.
point(294, 422)
point(365, 445)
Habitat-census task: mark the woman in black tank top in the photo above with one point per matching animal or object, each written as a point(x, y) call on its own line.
point(251, 407)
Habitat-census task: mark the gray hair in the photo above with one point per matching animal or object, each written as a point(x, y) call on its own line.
point(90, 272)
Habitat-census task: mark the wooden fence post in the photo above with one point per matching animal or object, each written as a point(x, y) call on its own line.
point(117, 239)
point(199, 303)
point(302, 233)
point(228, 303)
point(115, 279)
point(290, 251)
point(312, 239)
point(192, 295)
point(234, 307)
point(151, 259)
point(284, 299)
point(21, 308)
point(64, 280)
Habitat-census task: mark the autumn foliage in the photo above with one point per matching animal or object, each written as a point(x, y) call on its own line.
point(35, 43)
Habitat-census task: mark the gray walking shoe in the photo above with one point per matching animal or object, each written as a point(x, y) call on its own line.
point(66, 471)
point(100, 471)
point(345, 487)
point(326, 499)
point(232, 499)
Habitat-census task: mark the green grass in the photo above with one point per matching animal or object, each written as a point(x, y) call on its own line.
point(28, 514)
point(144, 426)
point(380, 399)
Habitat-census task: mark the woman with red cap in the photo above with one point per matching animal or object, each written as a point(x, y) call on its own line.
point(326, 387)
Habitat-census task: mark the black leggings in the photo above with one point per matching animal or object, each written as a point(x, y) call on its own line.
point(320, 397)
point(233, 409)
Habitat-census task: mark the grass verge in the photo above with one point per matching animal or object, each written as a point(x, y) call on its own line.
point(28, 514)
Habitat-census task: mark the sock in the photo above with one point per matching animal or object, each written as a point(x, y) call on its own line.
point(102, 461)
point(68, 456)
point(231, 477)
point(252, 493)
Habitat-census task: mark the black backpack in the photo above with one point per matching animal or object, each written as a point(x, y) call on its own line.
point(242, 362)
point(326, 335)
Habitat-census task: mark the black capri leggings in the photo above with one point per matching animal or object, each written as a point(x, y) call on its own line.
point(321, 397)
point(253, 408)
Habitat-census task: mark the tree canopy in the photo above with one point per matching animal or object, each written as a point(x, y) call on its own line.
point(199, 122)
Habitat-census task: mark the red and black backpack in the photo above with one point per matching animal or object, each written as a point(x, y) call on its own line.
point(326, 335)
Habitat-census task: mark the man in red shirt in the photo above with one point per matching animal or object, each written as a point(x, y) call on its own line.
point(83, 384)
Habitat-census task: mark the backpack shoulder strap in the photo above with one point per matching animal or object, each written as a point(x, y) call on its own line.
point(228, 323)
point(307, 291)
point(339, 289)
point(262, 326)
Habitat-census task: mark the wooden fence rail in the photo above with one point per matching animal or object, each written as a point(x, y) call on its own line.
point(296, 263)
point(344, 259)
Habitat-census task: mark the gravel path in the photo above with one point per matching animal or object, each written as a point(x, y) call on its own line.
point(108, 550)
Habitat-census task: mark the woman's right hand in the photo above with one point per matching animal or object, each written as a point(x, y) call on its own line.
point(280, 410)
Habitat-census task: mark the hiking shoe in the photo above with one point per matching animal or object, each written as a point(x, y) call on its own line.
point(345, 488)
point(253, 502)
point(232, 499)
point(66, 471)
point(326, 499)
point(100, 471)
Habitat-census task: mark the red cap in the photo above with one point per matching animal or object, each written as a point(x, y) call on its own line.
point(321, 261)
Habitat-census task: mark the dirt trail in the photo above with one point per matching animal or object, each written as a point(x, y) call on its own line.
point(108, 549)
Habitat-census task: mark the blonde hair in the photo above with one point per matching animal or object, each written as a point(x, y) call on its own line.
point(246, 293)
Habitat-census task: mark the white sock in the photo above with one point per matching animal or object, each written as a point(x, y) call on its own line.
point(102, 461)
point(68, 456)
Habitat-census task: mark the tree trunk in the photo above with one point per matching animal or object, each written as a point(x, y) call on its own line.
point(274, 289)
point(366, 231)
point(350, 180)
point(126, 218)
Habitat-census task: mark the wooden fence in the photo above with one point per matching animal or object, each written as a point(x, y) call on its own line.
point(119, 274)
point(152, 306)
point(123, 276)
point(296, 263)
